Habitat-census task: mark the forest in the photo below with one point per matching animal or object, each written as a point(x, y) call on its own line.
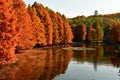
point(24, 27)
point(96, 28)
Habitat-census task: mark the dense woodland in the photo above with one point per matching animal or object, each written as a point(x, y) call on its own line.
point(24, 27)
point(96, 28)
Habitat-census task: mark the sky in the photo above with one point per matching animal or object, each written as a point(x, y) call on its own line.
point(73, 8)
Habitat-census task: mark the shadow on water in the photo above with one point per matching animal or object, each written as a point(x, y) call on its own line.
point(49, 62)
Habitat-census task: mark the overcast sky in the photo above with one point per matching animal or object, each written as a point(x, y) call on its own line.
point(72, 8)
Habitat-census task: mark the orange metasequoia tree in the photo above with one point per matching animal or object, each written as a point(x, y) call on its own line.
point(61, 27)
point(8, 32)
point(68, 35)
point(46, 20)
point(55, 35)
point(37, 27)
point(26, 38)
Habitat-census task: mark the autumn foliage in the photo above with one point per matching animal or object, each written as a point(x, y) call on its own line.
point(45, 19)
point(67, 35)
point(52, 27)
point(26, 38)
point(114, 33)
point(55, 27)
point(95, 32)
point(37, 26)
point(100, 28)
point(80, 32)
point(24, 28)
point(8, 31)
point(38, 65)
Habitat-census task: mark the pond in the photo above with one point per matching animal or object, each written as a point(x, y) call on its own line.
point(66, 62)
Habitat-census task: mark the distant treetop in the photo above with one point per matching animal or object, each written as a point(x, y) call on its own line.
point(96, 13)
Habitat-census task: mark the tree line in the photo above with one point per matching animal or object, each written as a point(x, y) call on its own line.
point(24, 28)
point(104, 28)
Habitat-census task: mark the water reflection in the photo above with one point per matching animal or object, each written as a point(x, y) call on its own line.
point(50, 62)
point(103, 55)
point(91, 56)
point(37, 64)
point(114, 56)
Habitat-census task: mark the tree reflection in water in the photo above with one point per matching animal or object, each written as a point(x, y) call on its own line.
point(37, 64)
point(49, 62)
point(104, 55)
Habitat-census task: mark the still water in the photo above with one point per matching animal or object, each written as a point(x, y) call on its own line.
point(66, 62)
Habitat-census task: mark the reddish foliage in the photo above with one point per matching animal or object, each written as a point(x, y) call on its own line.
point(22, 30)
point(26, 37)
point(55, 26)
point(37, 27)
point(45, 19)
point(89, 33)
point(61, 27)
point(38, 65)
point(8, 32)
point(68, 35)
point(114, 33)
